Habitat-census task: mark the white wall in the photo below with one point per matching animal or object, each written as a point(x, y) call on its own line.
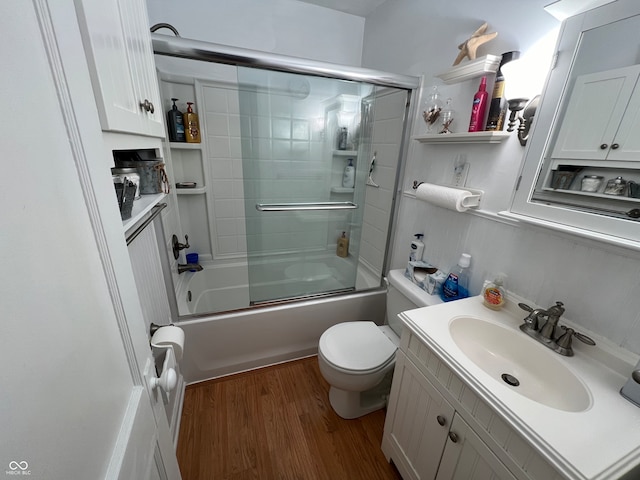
point(599, 285)
point(286, 27)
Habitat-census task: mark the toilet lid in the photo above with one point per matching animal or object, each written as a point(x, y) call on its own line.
point(357, 346)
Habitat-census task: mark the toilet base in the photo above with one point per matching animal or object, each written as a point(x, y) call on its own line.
point(350, 405)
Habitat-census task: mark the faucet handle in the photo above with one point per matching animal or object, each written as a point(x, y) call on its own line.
point(563, 344)
point(557, 310)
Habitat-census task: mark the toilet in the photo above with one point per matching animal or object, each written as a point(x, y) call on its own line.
point(357, 358)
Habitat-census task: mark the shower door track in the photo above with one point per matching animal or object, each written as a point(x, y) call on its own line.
point(213, 52)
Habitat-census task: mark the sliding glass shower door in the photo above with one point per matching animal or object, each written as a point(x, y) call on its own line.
point(307, 151)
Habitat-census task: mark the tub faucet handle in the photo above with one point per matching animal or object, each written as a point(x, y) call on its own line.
point(177, 246)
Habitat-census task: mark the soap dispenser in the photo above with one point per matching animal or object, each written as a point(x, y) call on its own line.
point(175, 124)
point(494, 295)
point(349, 177)
point(417, 248)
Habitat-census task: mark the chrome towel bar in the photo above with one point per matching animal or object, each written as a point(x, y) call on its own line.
point(284, 207)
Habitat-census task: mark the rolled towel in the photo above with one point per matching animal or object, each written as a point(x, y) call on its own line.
point(455, 199)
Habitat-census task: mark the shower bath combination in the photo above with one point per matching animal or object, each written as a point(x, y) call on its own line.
point(270, 205)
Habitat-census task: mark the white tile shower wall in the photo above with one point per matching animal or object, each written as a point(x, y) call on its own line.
point(599, 285)
point(386, 138)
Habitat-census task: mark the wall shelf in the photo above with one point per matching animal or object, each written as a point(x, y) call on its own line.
point(468, 137)
point(471, 69)
point(141, 207)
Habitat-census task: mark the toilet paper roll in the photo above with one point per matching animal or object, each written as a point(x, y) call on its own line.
point(446, 197)
point(169, 336)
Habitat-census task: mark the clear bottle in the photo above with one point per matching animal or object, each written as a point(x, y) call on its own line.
point(494, 295)
point(432, 109)
point(446, 118)
point(456, 286)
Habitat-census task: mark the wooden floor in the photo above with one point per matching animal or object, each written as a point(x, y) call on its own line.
point(276, 423)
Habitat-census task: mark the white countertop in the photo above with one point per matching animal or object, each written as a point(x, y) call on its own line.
point(601, 442)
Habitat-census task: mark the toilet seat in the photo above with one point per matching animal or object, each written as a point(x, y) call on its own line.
point(357, 347)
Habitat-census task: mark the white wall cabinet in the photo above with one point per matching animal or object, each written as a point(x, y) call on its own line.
point(602, 118)
point(427, 439)
point(437, 427)
point(117, 43)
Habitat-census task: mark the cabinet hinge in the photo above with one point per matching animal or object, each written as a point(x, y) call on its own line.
point(518, 182)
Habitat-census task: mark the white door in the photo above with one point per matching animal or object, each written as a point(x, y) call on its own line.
point(75, 356)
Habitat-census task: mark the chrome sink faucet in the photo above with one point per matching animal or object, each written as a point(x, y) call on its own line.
point(547, 334)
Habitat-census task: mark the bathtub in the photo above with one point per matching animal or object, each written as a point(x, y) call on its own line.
point(230, 342)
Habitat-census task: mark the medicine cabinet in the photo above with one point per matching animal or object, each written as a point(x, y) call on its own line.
point(588, 125)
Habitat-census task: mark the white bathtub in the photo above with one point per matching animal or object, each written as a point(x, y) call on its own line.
point(225, 287)
point(220, 344)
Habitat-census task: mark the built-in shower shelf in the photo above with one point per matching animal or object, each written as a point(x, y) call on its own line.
point(342, 190)
point(468, 137)
point(185, 146)
point(191, 191)
point(345, 153)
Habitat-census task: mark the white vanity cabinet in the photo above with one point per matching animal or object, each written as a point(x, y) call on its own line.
point(117, 44)
point(602, 120)
point(438, 428)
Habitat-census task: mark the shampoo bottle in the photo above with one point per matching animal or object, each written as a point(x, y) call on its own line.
point(480, 100)
point(342, 249)
point(417, 247)
point(349, 176)
point(498, 102)
point(456, 286)
point(175, 124)
point(191, 125)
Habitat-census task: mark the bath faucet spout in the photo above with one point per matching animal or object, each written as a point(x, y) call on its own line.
point(189, 266)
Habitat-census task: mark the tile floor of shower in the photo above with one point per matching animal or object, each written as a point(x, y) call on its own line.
point(276, 423)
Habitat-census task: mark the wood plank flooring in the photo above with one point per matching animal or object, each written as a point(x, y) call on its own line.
point(276, 423)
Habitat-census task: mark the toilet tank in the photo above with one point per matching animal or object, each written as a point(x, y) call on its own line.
point(402, 295)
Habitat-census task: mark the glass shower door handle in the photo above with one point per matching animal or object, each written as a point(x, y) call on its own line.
point(288, 207)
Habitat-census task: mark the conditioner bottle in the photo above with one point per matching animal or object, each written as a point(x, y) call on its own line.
point(342, 249)
point(479, 108)
point(191, 125)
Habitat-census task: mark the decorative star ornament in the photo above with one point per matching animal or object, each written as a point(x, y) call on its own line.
point(469, 47)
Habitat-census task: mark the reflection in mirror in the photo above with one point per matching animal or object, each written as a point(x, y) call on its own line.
point(595, 136)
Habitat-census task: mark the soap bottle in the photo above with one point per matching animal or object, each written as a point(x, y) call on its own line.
point(342, 138)
point(191, 125)
point(417, 247)
point(480, 100)
point(349, 176)
point(494, 295)
point(175, 124)
point(456, 286)
point(342, 249)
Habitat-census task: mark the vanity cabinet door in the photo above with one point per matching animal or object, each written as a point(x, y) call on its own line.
point(602, 120)
point(418, 421)
point(467, 457)
point(117, 44)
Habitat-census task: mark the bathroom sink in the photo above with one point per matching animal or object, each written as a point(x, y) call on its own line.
point(515, 360)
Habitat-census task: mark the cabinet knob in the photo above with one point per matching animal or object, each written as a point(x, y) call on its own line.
point(441, 420)
point(604, 146)
point(453, 437)
point(147, 106)
point(615, 146)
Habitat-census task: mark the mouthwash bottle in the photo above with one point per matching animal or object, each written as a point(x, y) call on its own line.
point(456, 286)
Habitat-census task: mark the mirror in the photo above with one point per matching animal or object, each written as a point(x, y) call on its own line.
point(582, 168)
